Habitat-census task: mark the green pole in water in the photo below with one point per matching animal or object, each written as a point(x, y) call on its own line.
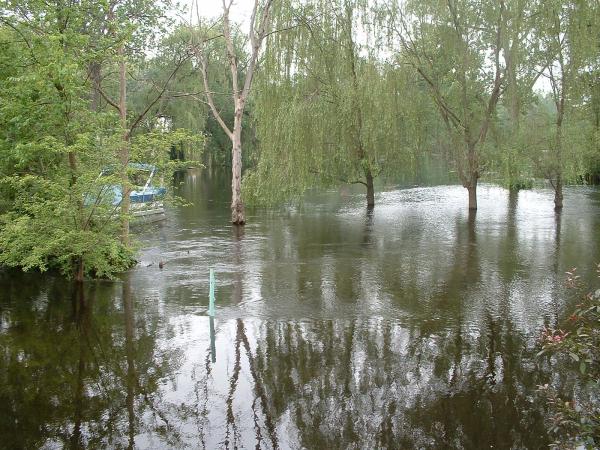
point(211, 295)
point(213, 348)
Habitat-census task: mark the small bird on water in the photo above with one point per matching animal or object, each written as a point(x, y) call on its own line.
point(161, 264)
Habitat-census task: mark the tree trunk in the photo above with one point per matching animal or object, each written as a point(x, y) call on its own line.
point(237, 206)
point(259, 26)
point(370, 189)
point(125, 189)
point(558, 193)
point(96, 77)
point(472, 189)
point(558, 185)
point(473, 174)
point(124, 151)
point(79, 270)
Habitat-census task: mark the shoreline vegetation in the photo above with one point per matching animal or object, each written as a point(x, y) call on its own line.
point(574, 408)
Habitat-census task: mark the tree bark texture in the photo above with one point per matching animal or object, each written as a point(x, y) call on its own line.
point(370, 189)
point(558, 193)
point(237, 206)
point(124, 151)
point(558, 184)
point(472, 176)
point(96, 77)
point(472, 189)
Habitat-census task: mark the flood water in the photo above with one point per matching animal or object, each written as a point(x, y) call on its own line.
point(413, 326)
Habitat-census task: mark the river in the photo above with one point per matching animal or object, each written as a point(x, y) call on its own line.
point(412, 326)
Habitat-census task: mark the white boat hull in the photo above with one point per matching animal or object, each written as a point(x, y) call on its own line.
point(148, 212)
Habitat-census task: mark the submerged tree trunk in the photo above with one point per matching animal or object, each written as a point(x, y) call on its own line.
point(472, 189)
point(473, 175)
point(357, 111)
point(370, 189)
point(558, 184)
point(471, 186)
point(237, 206)
point(558, 193)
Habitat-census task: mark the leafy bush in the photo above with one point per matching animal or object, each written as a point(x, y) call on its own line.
point(575, 421)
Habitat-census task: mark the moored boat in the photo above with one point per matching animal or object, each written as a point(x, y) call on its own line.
point(146, 196)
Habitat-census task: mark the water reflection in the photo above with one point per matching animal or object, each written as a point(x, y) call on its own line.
point(78, 372)
point(413, 326)
point(213, 347)
point(130, 355)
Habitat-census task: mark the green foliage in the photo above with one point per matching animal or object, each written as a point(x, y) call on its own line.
point(347, 91)
point(50, 227)
point(538, 138)
point(576, 422)
point(51, 158)
point(57, 212)
point(329, 109)
point(184, 104)
point(180, 107)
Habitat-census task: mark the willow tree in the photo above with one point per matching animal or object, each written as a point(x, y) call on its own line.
point(328, 108)
point(524, 67)
point(240, 87)
point(456, 47)
point(567, 38)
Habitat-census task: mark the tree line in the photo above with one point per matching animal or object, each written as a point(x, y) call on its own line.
point(307, 93)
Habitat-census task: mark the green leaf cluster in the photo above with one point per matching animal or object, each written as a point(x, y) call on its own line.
point(576, 421)
point(57, 139)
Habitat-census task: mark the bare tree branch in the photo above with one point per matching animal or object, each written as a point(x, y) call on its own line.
point(160, 94)
point(105, 96)
point(209, 97)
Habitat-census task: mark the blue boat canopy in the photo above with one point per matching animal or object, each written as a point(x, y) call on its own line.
point(141, 194)
point(149, 194)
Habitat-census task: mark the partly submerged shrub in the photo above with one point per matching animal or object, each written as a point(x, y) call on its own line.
point(575, 415)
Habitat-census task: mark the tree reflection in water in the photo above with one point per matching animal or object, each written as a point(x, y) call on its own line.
point(391, 386)
point(79, 374)
point(394, 330)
